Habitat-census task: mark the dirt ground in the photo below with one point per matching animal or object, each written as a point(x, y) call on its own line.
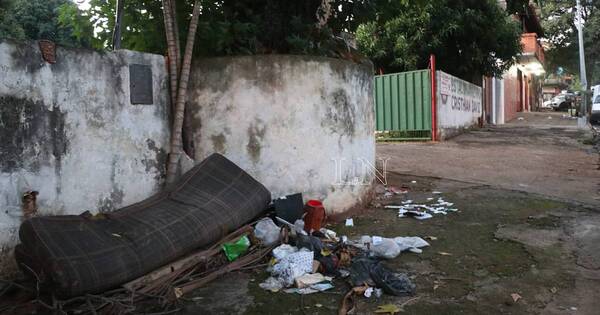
point(535, 154)
point(528, 224)
point(500, 242)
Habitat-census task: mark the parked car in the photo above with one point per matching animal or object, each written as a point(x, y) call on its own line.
point(595, 117)
point(547, 104)
point(561, 101)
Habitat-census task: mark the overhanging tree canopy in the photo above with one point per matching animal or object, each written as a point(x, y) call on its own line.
point(470, 37)
point(561, 32)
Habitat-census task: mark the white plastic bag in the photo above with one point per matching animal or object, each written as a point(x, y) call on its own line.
point(271, 284)
point(379, 246)
point(267, 231)
point(293, 266)
point(283, 250)
point(386, 248)
point(412, 243)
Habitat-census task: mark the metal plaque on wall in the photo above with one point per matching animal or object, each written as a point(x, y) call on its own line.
point(140, 84)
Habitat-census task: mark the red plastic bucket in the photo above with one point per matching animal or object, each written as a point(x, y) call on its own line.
point(315, 216)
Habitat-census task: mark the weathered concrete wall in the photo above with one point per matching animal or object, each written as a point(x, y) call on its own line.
point(298, 124)
point(459, 105)
point(69, 131)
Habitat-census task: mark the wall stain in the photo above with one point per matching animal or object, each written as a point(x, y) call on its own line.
point(30, 134)
point(108, 204)
point(256, 133)
point(340, 116)
point(27, 57)
point(219, 142)
point(159, 161)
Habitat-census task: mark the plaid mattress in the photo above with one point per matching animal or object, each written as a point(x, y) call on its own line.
point(78, 254)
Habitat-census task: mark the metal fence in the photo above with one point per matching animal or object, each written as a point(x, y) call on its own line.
point(403, 105)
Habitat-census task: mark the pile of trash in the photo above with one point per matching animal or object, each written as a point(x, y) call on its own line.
point(290, 237)
point(311, 256)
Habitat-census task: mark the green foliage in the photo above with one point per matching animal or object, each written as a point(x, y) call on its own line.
point(143, 26)
point(9, 26)
point(561, 33)
point(227, 27)
point(44, 19)
point(469, 37)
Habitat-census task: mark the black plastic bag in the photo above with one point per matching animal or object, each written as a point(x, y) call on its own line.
point(371, 272)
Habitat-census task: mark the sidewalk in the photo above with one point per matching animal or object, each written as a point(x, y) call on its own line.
point(535, 154)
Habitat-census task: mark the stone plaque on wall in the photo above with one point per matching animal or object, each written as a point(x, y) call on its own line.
point(140, 84)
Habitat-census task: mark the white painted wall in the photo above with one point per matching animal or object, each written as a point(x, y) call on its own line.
point(68, 130)
point(459, 104)
point(287, 120)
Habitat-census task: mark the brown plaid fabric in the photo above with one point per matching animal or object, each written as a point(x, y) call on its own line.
point(73, 255)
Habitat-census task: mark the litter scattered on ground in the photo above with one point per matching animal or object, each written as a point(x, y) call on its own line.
point(309, 279)
point(385, 192)
point(266, 231)
point(397, 190)
point(371, 272)
point(389, 248)
point(387, 309)
point(237, 248)
point(516, 297)
point(290, 207)
point(408, 208)
point(301, 255)
point(314, 216)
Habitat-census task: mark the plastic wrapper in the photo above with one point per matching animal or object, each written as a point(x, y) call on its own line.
point(266, 231)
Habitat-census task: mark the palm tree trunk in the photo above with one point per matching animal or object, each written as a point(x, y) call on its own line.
point(176, 34)
point(171, 51)
point(176, 141)
point(175, 55)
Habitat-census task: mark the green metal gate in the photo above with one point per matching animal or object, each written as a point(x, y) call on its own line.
point(403, 105)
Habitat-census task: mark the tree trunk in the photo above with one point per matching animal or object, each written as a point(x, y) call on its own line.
point(171, 27)
point(187, 135)
point(176, 141)
point(176, 34)
point(171, 51)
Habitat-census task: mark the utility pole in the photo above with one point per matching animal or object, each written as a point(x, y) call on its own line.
point(582, 74)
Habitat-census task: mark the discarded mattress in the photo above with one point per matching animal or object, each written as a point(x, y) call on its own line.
point(78, 254)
